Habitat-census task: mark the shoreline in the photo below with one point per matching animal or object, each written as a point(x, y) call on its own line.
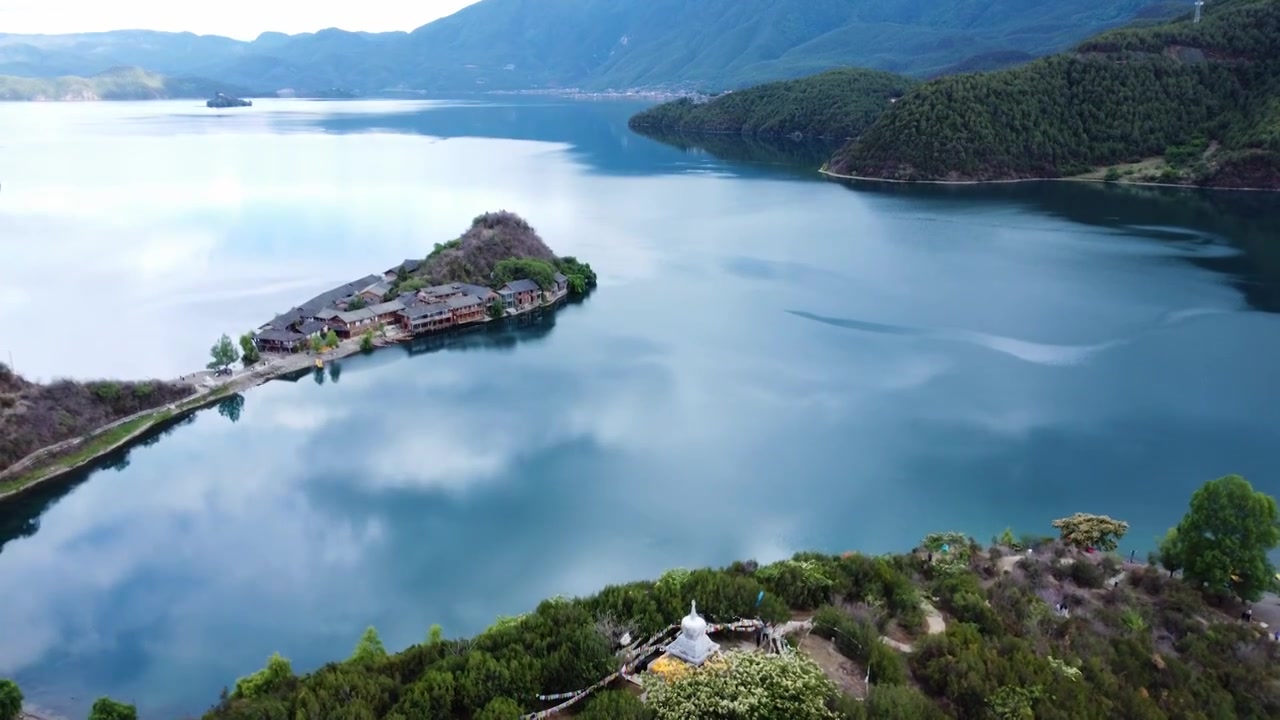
point(1012, 181)
point(273, 366)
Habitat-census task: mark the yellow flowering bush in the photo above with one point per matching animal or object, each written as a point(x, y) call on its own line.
point(745, 686)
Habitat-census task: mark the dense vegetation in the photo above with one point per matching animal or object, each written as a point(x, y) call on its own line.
point(33, 415)
point(514, 44)
point(123, 83)
point(1204, 96)
point(1034, 627)
point(497, 248)
point(835, 104)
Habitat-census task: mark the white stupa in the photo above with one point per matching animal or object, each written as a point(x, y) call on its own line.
point(692, 645)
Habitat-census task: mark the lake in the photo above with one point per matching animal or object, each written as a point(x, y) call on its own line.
point(772, 362)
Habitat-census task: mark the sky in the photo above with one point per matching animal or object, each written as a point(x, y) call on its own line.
point(241, 19)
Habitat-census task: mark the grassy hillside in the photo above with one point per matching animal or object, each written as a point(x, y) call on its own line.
point(1024, 628)
point(599, 44)
point(834, 104)
point(115, 84)
point(33, 416)
point(1205, 97)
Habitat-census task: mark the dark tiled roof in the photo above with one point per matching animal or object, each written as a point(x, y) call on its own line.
point(353, 316)
point(407, 266)
point(280, 336)
point(312, 327)
point(378, 288)
point(523, 285)
point(560, 278)
point(463, 301)
point(479, 291)
point(314, 305)
point(327, 314)
point(425, 310)
point(387, 308)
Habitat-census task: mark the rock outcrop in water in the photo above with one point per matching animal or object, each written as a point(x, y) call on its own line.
point(224, 101)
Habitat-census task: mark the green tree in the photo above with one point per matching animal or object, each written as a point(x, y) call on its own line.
point(577, 285)
point(369, 648)
point(104, 708)
point(224, 353)
point(10, 700)
point(497, 308)
point(500, 709)
point(366, 342)
point(1096, 531)
point(316, 343)
point(1223, 541)
point(331, 339)
point(249, 350)
point(277, 672)
point(356, 303)
point(435, 635)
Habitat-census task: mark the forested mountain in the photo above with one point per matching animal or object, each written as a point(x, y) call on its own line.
point(835, 104)
point(125, 83)
point(598, 44)
point(1204, 96)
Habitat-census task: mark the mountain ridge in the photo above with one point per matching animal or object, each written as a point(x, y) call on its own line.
point(619, 44)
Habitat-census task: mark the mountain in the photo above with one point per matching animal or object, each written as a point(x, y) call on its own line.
point(600, 44)
point(1177, 102)
point(124, 83)
point(835, 104)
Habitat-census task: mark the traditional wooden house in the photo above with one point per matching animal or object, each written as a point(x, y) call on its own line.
point(374, 293)
point(466, 309)
point(387, 312)
point(426, 317)
point(520, 294)
point(351, 323)
point(277, 340)
point(404, 268)
point(561, 283)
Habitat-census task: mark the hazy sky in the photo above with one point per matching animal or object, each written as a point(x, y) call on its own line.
point(242, 19)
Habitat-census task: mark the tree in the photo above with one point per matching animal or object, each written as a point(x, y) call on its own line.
point(249, 350)
point(435, 635)
point(356, 303)
point(231, 407)
point(366, 342)
point(10, 700)
point(331, 339)
point(224, 353)
point(104, 708)
point(277, 672)
point(759, 685)
point(1223, 541)
point(316, 343)
point(369, 648)
point(1096, 531)
point(500, 709)
point(497, 308)
point(577, 285)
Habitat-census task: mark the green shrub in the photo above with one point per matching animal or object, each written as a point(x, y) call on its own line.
point(500, 709)
point(1086, 575)
point(761, 685)
point(104, 708)
point(270, 678)
point(10, 700)
point(615, 705)
point(900, 702)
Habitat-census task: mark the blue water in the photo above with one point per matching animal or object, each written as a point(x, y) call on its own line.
point(772, 362)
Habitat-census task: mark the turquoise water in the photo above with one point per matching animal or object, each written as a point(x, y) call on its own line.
point(772, 362)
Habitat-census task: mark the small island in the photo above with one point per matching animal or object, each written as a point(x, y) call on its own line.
point(226, 101)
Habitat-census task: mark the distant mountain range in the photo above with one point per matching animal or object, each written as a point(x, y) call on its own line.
point(602, 44)
point(124, 83)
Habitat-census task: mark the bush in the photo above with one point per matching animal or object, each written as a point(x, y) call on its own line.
point(861, 643)
point(1086, 575)
point(272, 677)
point(104, 708)
point(746, 685)
point(500, 709)
point(900, 702)
point(10, 700)
point(802, 584)
point(615, 705)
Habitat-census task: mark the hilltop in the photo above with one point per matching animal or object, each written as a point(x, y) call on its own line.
point(1175, 102)
point(35, 415)
point(834, 104)
point(122, 83)
point(516, 44)
point(498, 247)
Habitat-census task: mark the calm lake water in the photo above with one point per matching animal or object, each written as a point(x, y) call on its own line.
point(772, 362)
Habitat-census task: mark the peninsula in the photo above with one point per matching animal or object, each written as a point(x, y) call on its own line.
point(499, 268)
point(224, 101)
point(1053, 627)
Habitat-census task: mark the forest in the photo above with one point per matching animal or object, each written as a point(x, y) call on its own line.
point(1203, 97)
point(1052, 627)
point(836, 104)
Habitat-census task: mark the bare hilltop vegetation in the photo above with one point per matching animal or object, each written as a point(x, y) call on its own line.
point(35, 415)
point(497, 248)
